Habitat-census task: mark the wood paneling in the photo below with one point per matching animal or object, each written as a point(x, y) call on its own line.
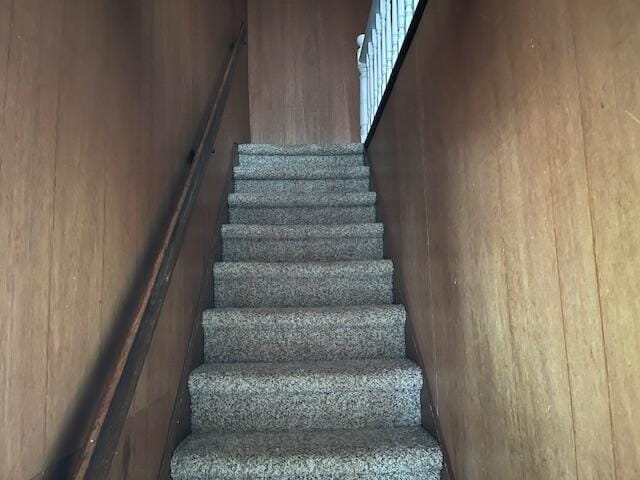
point(100, 104)
point(303, 77)
point(506, 167)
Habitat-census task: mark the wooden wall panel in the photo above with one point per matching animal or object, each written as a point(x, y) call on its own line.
point(27, 166)
point(578, 284)
point(79, 219)
point(100, 105)
point(607, 39)
point(508, 150)
point(303, 77)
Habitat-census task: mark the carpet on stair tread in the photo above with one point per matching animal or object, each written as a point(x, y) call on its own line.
point(311, 208)
point(308, 156)
point(329, 185)
point(249, 284)
point(295, 243)
point(371, 393)
point(300, 149)
point(291, 200)
point(292, 161)
point(299, 172)
point(358, 230)
point(384, 454)
point(290, 334)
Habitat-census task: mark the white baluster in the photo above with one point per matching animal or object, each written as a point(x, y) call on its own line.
point(362, 68)
point(408, 14)
point(374, 54)
point(401, 23)
point(372, 107)
point(369, 83)
point(378, 59)
point(383, 33)
point(389, 41)
point(394, 29)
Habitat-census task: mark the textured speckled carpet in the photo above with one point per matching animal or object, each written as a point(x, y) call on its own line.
point(305, 375)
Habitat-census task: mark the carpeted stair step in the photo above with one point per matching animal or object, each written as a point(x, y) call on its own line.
point(372, 393)
point(307, 284)
point(302, 208)
point(385, 454)
point(293, 243)
point(300, 178)
point(307, 156)
point(303, 334)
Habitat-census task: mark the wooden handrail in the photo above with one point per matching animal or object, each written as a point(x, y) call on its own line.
point(96, 453)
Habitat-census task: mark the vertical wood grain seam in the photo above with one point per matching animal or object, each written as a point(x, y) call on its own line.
point(53, 223)
point(593, 240)
point(562, 312)
point(423, 161)
point(107, 152)
point(5, 331)
point(434, 344)
point(505, 280)
point(549, 185)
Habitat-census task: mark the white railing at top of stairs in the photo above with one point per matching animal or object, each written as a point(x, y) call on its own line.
point(378, 50)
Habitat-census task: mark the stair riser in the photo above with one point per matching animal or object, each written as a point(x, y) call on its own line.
point(302, 292)
point(295, 250)
point(302, 215)
point(334, 410)
point(286, 344)
point(303, 161)
point(334, 185)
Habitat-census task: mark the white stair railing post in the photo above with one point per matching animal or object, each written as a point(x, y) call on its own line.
point(364, 100)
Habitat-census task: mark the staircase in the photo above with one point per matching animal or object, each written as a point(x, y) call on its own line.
point(305, 375)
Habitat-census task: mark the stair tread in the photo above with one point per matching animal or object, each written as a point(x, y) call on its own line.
point(298, 172)
point(305, 317)
point(292, 200)
point(305, 269)
point(300, 149)
point(307, 377)
point(347, 230)
point(370, 453)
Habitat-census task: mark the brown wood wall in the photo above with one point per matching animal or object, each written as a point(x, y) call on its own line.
point(507, 164)
point(100, 104)
point(303, 77)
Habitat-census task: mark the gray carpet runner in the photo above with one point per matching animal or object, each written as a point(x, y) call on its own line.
point(305, 375)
